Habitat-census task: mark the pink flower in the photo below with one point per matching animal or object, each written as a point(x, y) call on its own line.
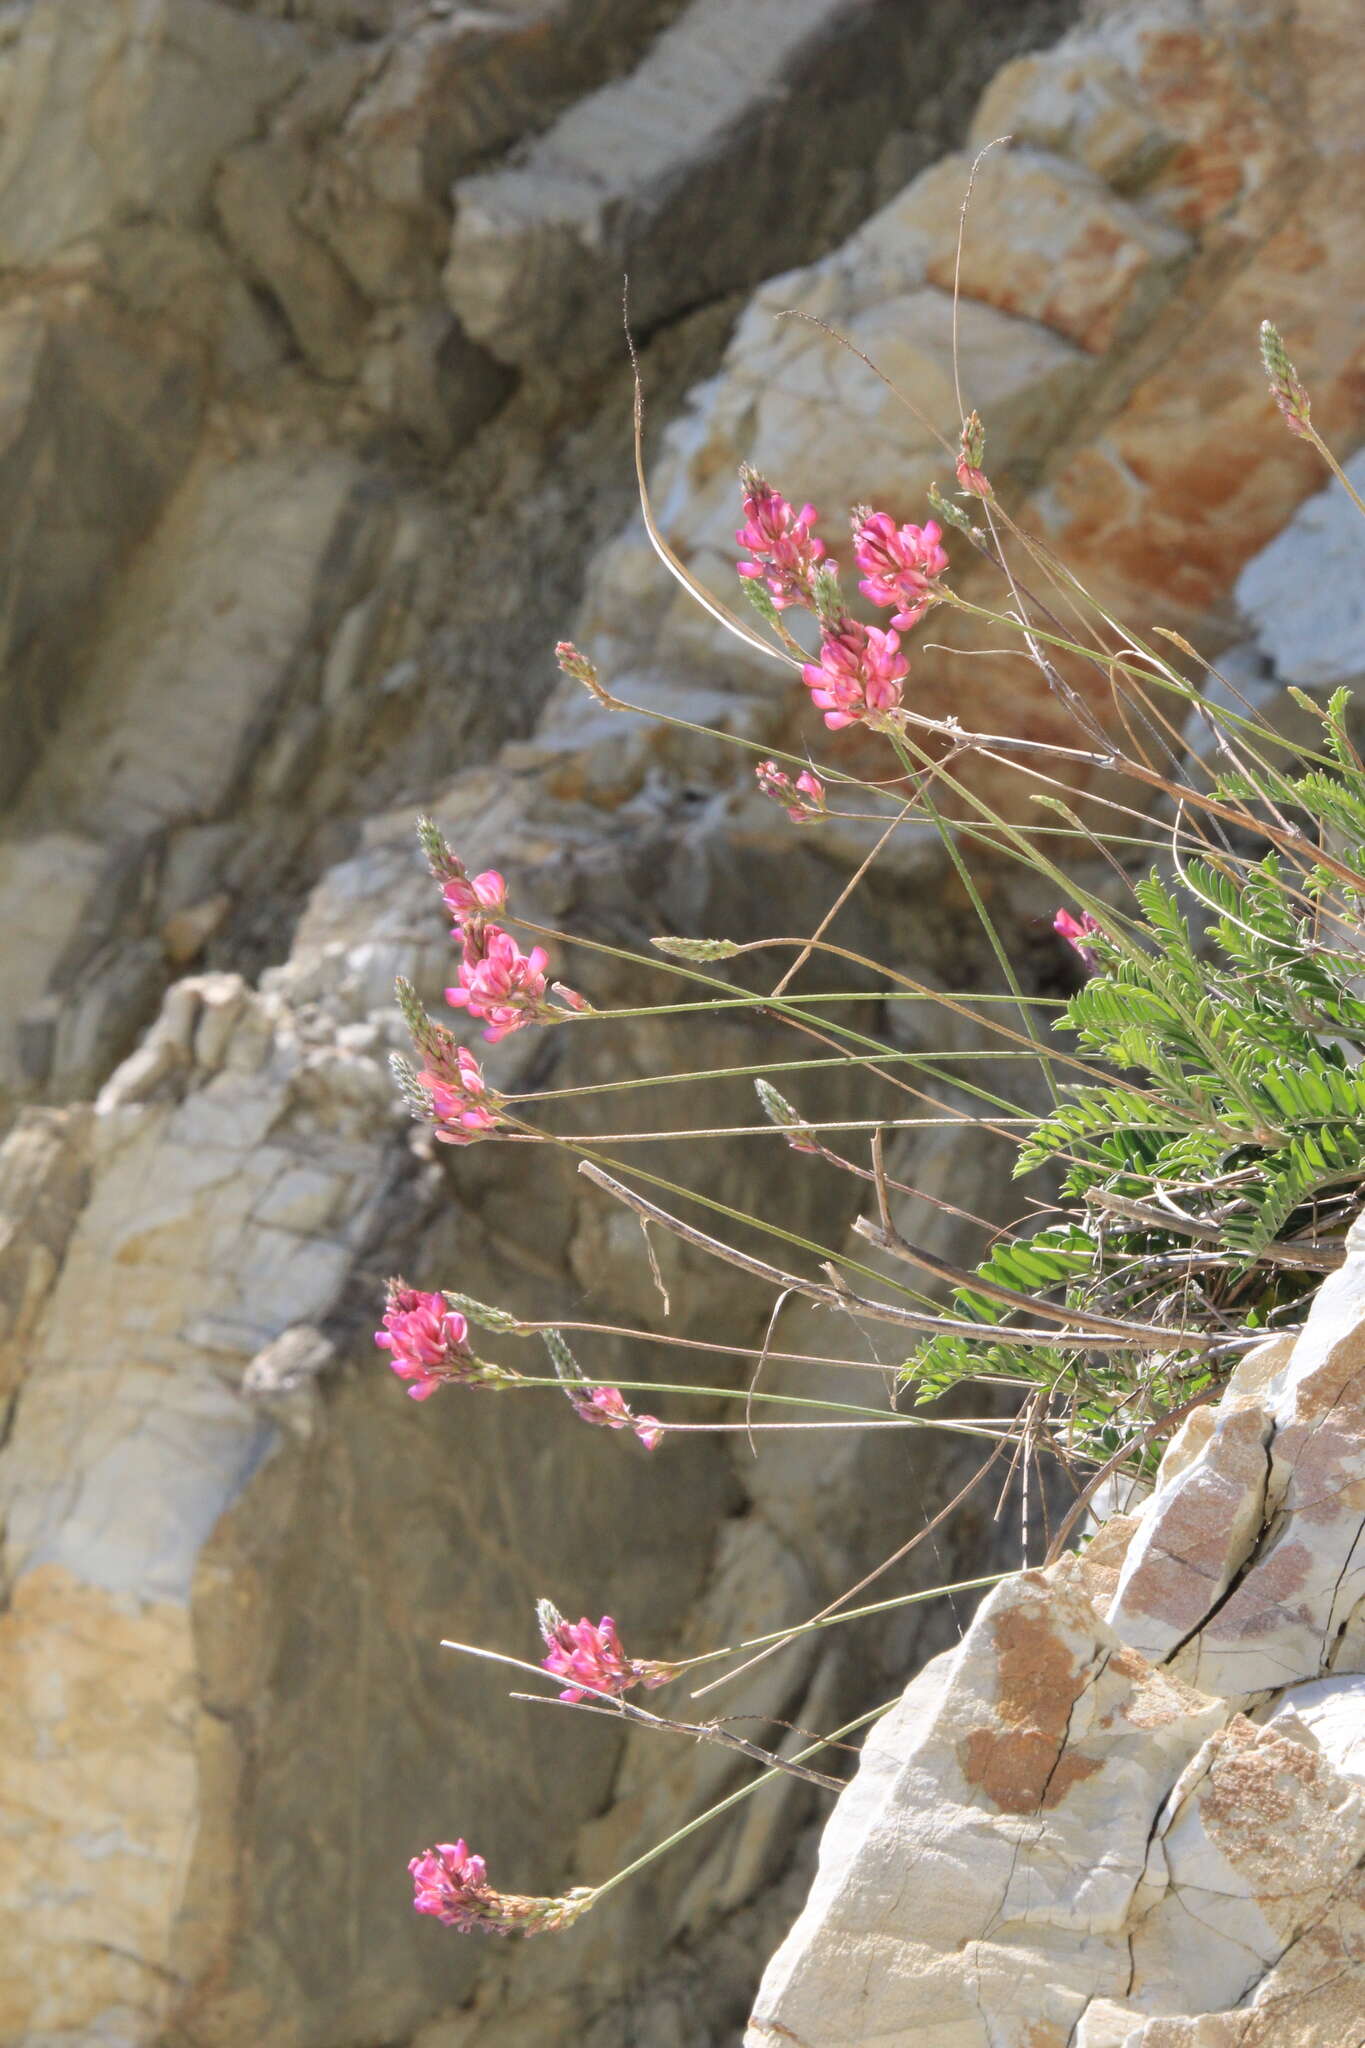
point(451, 1883)
point(461, 1103)
point(468, 898)
point(1076, 931)
point(802, 799)
point(500, 983)
point(781, 543)
point(429, 1342)
point(592, 1657)
point(607, 1406)
point(858, 675)
point(901, 563)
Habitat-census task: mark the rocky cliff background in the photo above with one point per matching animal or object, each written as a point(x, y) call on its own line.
point(314, 438)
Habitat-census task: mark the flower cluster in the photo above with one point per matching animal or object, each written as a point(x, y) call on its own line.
point(803, 799)
point(901, 564)
point(497, 982)
point(1076, 931)
point(607, 1407)
point(468, 898)
point(429, 1343)
point(591, 1657)
point(783, 549)
point(449, 1091)
point(461, 1103)
point(451, 1883)
point(856, 677)
point(859, 673)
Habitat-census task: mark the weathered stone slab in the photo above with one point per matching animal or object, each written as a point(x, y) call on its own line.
point(116, 110)
point(633, 173)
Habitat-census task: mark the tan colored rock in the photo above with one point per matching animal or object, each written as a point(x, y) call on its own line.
point(1048, 240)
point(627, 177)
point(1024, 1857)
point(188, 931)
point(98, 417)
point(959, 1890)
point(49, 891)
point(257, 196)
point(146, 743)
point(44, 1180)
point(114, 110)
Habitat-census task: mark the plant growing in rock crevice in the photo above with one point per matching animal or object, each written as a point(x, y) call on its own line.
point(1203, 1149)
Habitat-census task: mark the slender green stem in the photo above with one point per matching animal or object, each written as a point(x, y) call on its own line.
point(876, 1415)
point(984, 919)
point(764, 1067)
point(801, 1628)
point(744, 1792)
point(1338, 472)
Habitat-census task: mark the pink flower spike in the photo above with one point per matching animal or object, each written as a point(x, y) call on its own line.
point(781, 542)
point(484, 895)
point(500, 983)
point(461, 1104)
point(902, 564)
point(607, 1407)
point(802, 800)
point(1076, 931)
point(591, 1656)
point(858, 676)
point(452, 1884)
point(429, 1342)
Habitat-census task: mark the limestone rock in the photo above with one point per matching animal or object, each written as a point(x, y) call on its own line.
point(1069, 1830)
point(1302, 593)
point(1046, 238)
point(625, 178)
point(49, 891)
point(114, 111)
point(98, 417)
point(257, 196)
point(44, 1180)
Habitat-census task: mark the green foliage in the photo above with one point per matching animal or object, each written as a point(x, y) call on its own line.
point(1222, 1140)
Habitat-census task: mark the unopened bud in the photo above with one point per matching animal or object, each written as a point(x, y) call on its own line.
point(578, 666)
point(825, 593)
point(487, 1318)
point(952, 514)
point(1285, 387)
point(442, 862)
point(779, 1111)
point(696, 949)
point(971, 455)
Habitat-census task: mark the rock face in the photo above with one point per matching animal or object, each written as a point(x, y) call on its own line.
point(307, 482)
point(1129, 1812)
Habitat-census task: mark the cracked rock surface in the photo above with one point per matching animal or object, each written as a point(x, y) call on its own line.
point(1129, 1811)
